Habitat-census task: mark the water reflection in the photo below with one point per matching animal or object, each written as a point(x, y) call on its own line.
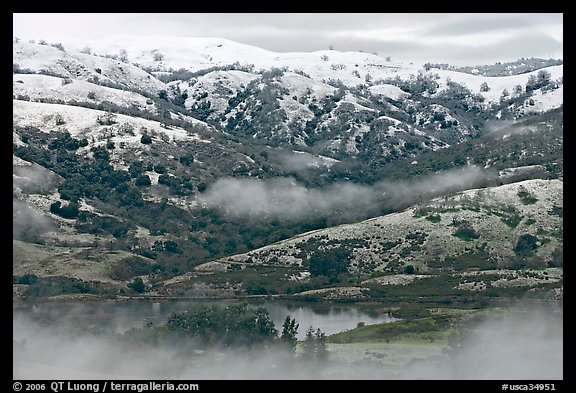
point(119, 317)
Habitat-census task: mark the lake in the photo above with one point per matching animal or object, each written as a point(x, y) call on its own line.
point(120, 316)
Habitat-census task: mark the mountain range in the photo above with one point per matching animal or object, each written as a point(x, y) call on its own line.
point(204, 167)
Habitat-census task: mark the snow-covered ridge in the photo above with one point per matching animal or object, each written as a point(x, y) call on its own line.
point(45, 59)
point(165, 53)
point(325, 99)
point(36, 87)
point(83, 123)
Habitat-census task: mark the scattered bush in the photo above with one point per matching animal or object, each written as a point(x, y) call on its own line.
point(526, 245)
point(137, 285)
point(146, 139)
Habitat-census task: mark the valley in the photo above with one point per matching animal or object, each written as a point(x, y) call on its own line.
point(213, 173)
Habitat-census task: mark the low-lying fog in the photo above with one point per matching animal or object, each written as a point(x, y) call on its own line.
point(519, 344)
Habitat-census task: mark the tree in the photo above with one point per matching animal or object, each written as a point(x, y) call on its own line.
point(58, 46)
point(186, 160)
point(289, 332)
point(137, 285)
point(172, 246)
point(106, 119)
point(143, 181)
point(236, 325)
point(157, 56)
point(159, 168)
point(146, 139)
point(466, 231)
point(314, 345)
point(543, 78)
point(330, 263)
point(321, 351)
point(526, 245)
point(484, 87)
point(309, 349)
point(163, 95)
point(123, 56)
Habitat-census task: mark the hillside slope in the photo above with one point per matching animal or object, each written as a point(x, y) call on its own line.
point(175, 152)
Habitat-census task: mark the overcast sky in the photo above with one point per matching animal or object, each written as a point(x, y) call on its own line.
point(452, 38)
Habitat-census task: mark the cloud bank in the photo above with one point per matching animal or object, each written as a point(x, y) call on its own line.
point(520, 344)
point(456, 38)
point(285, 198)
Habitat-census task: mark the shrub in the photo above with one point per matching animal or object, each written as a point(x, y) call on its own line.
point(106, 119)
point(146, 139)
point(143, 181)
point(329, 263)
point(137, 285)
point(526, 197)
point(127, 268)
point(526, 245)
point(69, 211)
point(466, 231)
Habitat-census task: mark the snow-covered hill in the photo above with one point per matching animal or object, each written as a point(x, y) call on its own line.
point(325, 100)
point(423, 233)
point(146, 146)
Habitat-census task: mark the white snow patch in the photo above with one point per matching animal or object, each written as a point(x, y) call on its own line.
point(389, 91)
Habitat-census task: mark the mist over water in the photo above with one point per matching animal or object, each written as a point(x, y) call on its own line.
point(524, 343)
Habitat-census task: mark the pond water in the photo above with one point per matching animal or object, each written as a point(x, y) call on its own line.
point(120, 316)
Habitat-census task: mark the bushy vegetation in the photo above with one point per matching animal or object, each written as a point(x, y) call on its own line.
point(526, 245)
point(516, 67)
point(127, 268)
point(526, 197)
point(55, 286)
point(329, 263)
point(257, 127)
point(235, 325)
point(466, 231)
point(391, 330)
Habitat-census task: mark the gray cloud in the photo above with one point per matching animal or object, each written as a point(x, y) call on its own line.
point(406, 37)
point(28, 224)
point(526, 45)
point(285, 198)
point(34, 179)
point(300, 161)
point(465, 24)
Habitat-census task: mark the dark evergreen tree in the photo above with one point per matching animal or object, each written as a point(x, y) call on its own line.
point(289, 334)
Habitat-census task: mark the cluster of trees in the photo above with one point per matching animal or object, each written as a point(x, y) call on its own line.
point(520, 66)
point(538, 81)
point(465, 230)
point(330, 263)
point(185, 75)
point(71, 210)
point(242, 326)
